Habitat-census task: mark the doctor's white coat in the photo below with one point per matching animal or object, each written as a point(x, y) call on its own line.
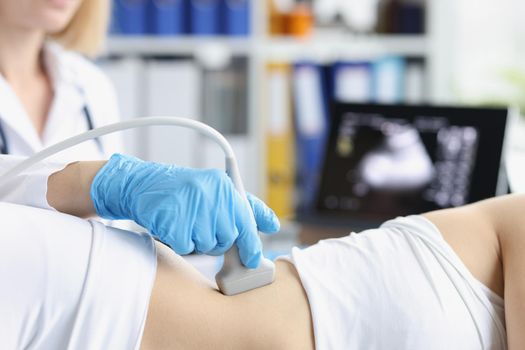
point(76, 83)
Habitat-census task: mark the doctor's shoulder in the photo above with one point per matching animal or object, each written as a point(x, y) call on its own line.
point(87, 73)
point(96, 89)
point(93, 82)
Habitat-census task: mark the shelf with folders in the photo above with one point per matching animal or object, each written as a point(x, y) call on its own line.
point(362, 56)
point(183, 86)
point(299, 95)
point(319, 52)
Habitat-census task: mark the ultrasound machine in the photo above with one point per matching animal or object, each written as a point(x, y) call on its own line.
point(383, 161)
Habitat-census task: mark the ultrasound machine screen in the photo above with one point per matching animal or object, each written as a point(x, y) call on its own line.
point(384, 160)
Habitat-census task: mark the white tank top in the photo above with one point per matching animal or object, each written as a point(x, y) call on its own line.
point(397, 287)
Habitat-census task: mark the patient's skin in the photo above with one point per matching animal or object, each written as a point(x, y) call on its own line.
point(489, 237)
point(474, 239)
point(187, 312)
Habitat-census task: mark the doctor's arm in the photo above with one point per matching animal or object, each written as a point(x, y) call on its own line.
point(187, 209)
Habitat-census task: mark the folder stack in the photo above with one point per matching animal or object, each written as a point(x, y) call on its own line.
point(311, 127)
point(129, 17)
point(167, 17)
point(280, 160)
point(236, 17)
point(173, 145)
point(182, 17)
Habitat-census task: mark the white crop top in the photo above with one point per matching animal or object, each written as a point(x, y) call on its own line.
point(397, 287)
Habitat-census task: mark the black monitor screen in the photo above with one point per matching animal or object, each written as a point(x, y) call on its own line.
point(384, 161)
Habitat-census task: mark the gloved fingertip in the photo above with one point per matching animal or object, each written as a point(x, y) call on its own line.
point(253, 261)
point(256, 203)
point(268, 223)
point(265, 217)
point(275, 224)
point(250, 249)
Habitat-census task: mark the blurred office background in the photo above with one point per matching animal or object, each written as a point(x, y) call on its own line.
point(263, 72)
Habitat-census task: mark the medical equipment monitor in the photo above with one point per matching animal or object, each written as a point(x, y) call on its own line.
point(383, 161)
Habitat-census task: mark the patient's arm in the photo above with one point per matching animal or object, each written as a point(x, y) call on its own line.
point(489, 237)
point(187, 312)
point(68, 189)
point(508, 218)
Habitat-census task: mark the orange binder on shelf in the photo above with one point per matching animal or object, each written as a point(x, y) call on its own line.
point(279, 139)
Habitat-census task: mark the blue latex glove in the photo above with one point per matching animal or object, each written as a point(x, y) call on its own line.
point(187, 209)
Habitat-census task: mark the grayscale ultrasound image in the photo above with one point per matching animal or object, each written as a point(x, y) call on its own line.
point(391, 166)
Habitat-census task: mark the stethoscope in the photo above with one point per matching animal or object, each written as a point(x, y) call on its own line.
point(4, 146)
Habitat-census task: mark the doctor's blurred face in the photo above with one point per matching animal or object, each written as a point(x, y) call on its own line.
point(50, 16)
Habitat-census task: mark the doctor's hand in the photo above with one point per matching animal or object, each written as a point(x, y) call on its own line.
point(187, 209)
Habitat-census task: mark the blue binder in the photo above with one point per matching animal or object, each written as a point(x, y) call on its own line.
point(167, 17)
point(205, 17)
point(388, 79)
point(130, 16)
point(311, 121)
point(236, 17)
point(352, 81)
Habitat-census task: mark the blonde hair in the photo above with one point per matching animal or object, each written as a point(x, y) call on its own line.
point(86, 32)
